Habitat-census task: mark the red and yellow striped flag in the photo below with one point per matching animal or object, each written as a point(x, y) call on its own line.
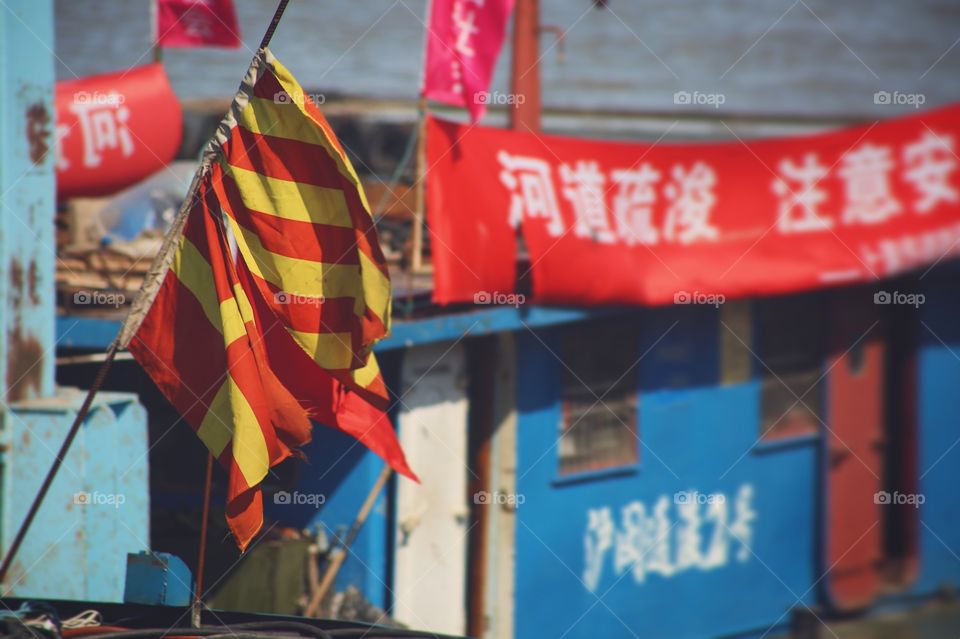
point(275, 292)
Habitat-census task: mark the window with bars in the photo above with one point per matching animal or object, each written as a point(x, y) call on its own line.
point(599, 394)
point(790, 349)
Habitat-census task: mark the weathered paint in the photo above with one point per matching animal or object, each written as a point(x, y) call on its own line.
point(97, 509)
point(938, 416)
point(27, 206)
point(854, 450)
point(499, 600)
point(429, 581)
point(695, 435)
point(157, 579)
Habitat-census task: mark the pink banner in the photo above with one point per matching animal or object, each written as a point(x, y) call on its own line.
point(463, 41)
point(197, 23)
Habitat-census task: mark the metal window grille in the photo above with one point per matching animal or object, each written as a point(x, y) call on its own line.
point(790, 347)
point(600, 387)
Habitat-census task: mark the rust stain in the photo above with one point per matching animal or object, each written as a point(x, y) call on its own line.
point(38, 131)
point(33, 277)
point(24, 368)
point(16, 277)
point(24, 351)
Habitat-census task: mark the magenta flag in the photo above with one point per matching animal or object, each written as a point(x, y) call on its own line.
point(463, 41)
point(197, 23)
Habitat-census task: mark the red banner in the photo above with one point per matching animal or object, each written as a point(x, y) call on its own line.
point(197, 23)
point(463, 41)
point(115, 129)
point(613, 223)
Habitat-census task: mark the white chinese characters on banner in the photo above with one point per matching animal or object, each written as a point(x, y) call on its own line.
point(583, 186)
point(689, 194)
point(60, 133)
point(693, 531)
point(464, 28)
point(866, 172)
point(649, 205)
point(800, 193)
point(929, 165)
point(102, 127)
point(866, 175)
point(633, 202)
point(532, 194)
point(692, 199)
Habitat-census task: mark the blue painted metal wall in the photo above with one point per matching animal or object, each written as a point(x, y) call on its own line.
point(342, 472)
point(692, 430)
point(97, 332)
point(97, 509)
point(694, 435)
point(938, 421)
point(27, 204)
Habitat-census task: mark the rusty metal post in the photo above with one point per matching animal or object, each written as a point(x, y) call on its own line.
point(27, 203)
point(525, 66)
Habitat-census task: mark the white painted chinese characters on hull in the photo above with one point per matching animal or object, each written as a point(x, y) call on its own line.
point(692, 531)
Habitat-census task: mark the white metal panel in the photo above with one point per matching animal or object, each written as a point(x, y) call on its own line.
point(431, 552)
point(501, 557)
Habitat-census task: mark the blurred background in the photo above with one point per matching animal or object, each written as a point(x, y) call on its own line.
point(760, 465)
point(768, 58)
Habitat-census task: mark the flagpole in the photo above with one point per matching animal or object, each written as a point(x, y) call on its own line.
point(160, 263)
point(281, 7)
point(202, 553)
point(155, 31)
point(416, 259)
